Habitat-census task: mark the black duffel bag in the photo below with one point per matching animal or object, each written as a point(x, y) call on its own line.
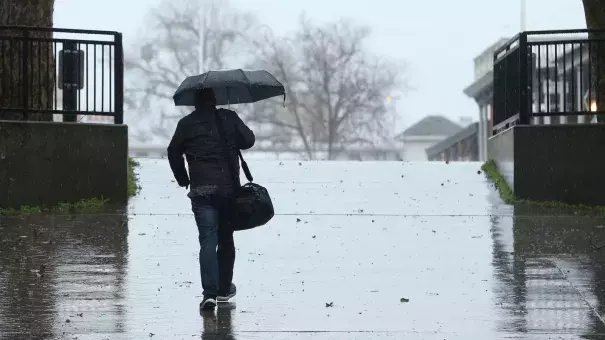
point(251, 206)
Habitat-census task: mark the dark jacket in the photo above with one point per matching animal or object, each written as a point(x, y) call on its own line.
point(196, 136)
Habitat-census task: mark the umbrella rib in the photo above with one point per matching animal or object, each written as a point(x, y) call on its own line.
point(282, 85)
point(205, 77)
point(245, 76)
point(247, 79)
point(272, 76)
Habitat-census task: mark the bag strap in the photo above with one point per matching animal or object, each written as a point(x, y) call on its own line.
point(232, 168)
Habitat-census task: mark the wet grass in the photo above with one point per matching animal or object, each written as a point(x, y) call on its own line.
point(89, 205)
point(491, 171)
point(133, 179)
point(506, 193)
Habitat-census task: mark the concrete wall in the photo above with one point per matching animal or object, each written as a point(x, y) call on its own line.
point(553, 162)
point(415, 150)
point(43, 163)
point(500, 148)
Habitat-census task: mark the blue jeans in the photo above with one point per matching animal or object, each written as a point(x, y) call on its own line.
point(217, 249)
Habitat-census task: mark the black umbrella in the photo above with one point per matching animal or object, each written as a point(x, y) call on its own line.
point(230, 87)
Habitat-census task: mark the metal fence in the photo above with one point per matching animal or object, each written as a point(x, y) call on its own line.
point(61, 71)
point(546, 75)
point(462, 146)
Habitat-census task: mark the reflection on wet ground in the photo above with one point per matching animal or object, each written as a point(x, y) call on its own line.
point(57, 273)
point(357, 251)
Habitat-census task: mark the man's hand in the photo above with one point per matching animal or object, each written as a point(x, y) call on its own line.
point(184, 185)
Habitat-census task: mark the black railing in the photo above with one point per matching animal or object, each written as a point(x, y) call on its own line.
point(462, 146)
point(548, 74)
point(43, 71)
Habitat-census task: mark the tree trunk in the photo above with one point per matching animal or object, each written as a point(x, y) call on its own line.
point(594, 11)
point(27, 68)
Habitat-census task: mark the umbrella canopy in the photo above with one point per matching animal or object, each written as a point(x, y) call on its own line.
point(230, 87)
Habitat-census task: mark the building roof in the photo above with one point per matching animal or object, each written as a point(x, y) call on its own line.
point(452, 140)
point(480, 85)
point(493, 47)
point(431, 126)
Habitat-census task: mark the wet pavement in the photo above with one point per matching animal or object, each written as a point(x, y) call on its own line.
point(357, 251)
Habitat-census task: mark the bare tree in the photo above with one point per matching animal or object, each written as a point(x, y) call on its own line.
point(336, 89)
point(185, 37)
point(33, 13)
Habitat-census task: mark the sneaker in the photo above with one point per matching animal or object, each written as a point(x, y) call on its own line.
point(225, 297)
point(208, 303)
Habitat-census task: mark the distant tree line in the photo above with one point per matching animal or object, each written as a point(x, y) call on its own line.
point(336, 89)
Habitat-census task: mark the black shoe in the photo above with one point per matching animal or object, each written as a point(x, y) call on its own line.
point(208, 303)
point(224, 297)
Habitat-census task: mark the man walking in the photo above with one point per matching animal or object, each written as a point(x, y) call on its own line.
point(211, 187)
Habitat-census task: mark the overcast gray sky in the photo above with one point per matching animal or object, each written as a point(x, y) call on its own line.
point(438, 38)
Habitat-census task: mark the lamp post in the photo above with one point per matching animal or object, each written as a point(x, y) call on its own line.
point(268, 29)
point(523, 15)
point(201, 35)
point(392, 107)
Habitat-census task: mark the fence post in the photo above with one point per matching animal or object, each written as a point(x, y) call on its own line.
point(119, 80)
point(523, 78)
point(69, 80)
point(25, 81)
point(495, 94)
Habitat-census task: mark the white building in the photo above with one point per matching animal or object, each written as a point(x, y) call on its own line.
point(481, 90)
point(424, 134)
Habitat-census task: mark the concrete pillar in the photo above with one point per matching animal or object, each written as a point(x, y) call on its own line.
point(481, 128)
point(483, 133)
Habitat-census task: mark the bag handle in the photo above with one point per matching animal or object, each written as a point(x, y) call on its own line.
point(232, 168)
point(245, 167)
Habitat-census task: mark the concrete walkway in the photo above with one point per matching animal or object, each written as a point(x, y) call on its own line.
point(357, 251)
